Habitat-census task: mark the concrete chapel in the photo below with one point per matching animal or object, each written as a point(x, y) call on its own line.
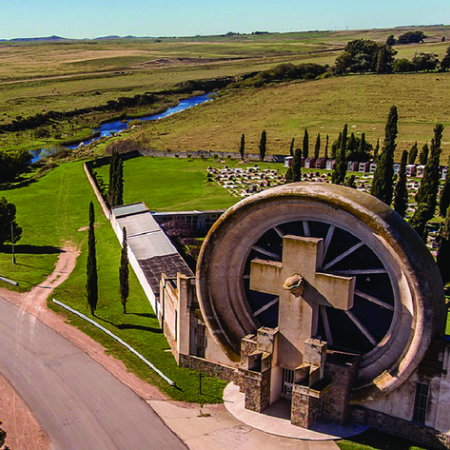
point(324, 296)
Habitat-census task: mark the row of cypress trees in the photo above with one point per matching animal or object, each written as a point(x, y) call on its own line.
point(91, 269)
point(115, 191)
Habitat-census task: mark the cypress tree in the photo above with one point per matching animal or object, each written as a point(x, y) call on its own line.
point(444, 201)
point(340, 168)
point(423, 156)
point(401, 190)
point(351, 145)
point(336, 146)
point(119, 183)
point(419, 221)
point(305, 144)
point(376, 150)
point(291, 148)
point(112, 193)
point(413, 153)
point(91, 270)
point(443, 255)
point(242, 146)
point(362, 146)
point(326, 147)
point(262, 145)
point(294, 173)
point(317, 147)
point(382, 185)
point(429, 185)
point(123, 273)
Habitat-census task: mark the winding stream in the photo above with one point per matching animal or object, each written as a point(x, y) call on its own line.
point(109, 128)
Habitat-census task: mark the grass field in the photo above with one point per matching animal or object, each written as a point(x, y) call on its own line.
point(167, 184)
point(324, 106)
point(54, 211)
point(71, 74)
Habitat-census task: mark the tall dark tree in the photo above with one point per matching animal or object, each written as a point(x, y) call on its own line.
point(414, 151)
point(376, 150)
point(443, 255)
point(352, 144)
point(124, 272)
point(92, 277)
point(419, 221)
point(340, 168)
point(294, 173)
point(8, 219)
point(385, 59)
point(401, 189)
point(317, 147)
point(326, 146)
point(444, 201)
point(262, 145)
point(445, 63)
point(119, 183)
point(242, 146)
point(291, 148)
point(305, 144)
point(391, 40)
point(113, 167)
point(423, 156)
point(383, 185)
point(429, 185)
point(335, 146)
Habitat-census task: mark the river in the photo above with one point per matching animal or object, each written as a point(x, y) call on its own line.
point(109, 128)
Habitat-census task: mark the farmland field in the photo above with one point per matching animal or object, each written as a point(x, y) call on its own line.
point(321, 106)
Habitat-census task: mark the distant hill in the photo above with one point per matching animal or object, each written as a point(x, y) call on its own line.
point(48, 38)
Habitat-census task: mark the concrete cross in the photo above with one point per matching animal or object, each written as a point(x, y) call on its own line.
point(302, 290)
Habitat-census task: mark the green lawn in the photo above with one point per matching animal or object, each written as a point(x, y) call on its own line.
point(168, 184)
point(54, 210)
point(50, 211)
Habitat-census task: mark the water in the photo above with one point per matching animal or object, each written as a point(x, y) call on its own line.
point(110, 128)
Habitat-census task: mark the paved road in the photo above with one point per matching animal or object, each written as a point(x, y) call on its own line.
point(77, 402)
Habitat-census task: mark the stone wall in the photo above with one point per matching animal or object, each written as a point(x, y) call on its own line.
point(342, 375)
point(305, 406)
point(399, 427)
point(257, 390)
point(212, 369)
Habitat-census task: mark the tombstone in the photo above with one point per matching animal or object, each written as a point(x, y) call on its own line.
point(364, 167)
point(396, 168)
point(288, 161)
point(330, 164)
point(410, 170)
point(352, 166)
point(373, 167)
point(420, 171)
point(321, 163)
point(310, 163)
point(318, 293)
point(444, 173)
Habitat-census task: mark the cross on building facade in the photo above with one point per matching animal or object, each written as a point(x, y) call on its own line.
point(302, 290)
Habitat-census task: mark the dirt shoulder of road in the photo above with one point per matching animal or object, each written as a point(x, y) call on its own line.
point(23, 430)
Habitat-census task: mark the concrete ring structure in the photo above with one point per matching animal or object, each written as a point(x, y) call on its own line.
point(418, 311)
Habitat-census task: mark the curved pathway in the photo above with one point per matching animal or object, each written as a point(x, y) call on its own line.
point(79, 403)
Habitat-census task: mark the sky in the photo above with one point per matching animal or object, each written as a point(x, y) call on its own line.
point(94, 18)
